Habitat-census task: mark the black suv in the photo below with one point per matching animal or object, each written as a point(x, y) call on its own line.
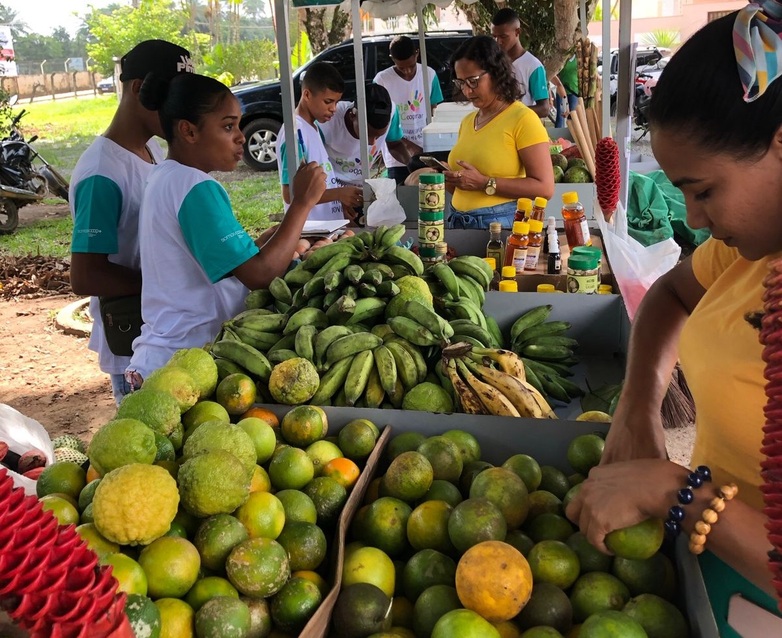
point(261, 102)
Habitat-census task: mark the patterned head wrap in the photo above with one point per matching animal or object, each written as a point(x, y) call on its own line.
point(757, 40)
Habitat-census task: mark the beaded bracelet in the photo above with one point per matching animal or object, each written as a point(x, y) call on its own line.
point(685, 496)
point(709, 517)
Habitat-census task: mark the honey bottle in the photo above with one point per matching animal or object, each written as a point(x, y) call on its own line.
point(516, 249)
point(523, 209)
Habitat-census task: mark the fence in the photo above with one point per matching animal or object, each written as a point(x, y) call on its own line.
point(56, 83)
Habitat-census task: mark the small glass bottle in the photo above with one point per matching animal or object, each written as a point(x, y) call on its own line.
point(576, 227)
point(546, 288)
point(495, 280)
point(495, 248)
point(509, 286)
point(523, 209)
point(535, 242)
point(539, 209)
point(554, 264)
point(508, 273)
point(551, 227)
point(605, 289)
point(516, 250)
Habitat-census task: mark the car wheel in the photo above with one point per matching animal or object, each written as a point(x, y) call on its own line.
point(260, 152)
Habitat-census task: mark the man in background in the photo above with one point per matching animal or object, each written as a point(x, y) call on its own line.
point(405, 84)
point(529, 71)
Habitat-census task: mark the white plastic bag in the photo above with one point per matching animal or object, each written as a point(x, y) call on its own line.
point(385, 209)
point(23, 434)
point(635, 266)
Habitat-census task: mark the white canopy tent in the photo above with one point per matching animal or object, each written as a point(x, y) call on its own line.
point(391, 8)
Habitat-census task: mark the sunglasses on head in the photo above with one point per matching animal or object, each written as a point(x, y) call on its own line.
point(471, 83)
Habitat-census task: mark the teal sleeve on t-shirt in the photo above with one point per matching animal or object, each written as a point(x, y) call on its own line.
point(394, 133)
point(212, 233)
point(437, 94)
point(538, 85)
point(98, 206)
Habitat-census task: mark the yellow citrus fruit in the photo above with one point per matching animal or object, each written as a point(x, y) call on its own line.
point(303, 425)
point(207, 588)
point(262, 435)
point(263, 515)
point(95, 541)
point(494, 580)
point(595, 416)
point(321, 452)
point(343, 471)
point(215, 539)
point(427, 527)
point(92, 474)
point(637, 542)
point(63, 477)
point(223, 616)
point(236, 393)
point(369, 565)
point(508, 629)
point(130, 575)
point(258, 567)
point(260, 481)
point(298, 506)
point(177, 618)
point(404, 442)
point(62, 508)
point(383, 524)
point(291, 469)
point(313, 577)
point(171, 565)
point(202, 412)
point(554, 562)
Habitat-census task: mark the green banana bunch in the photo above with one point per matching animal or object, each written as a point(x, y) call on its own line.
point(243, 355)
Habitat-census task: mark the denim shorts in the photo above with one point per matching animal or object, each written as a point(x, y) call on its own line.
point(480, 218)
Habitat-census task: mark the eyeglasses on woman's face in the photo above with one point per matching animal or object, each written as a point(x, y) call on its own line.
point(470, 83)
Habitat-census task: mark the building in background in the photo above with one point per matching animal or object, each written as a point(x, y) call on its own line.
point(7, 62)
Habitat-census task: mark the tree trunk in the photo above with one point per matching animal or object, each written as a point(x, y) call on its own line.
point(314, 22)
point(566, 30)
point(341, 26)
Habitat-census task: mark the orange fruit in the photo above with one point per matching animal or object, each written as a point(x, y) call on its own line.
point(554, 562)
point(177, 618)
point(409, 476)
point(215, 539)
point(597, 591)
point(313, 577)
point(494, 580)
point(305, 544)
point(257, 412)
point(637, 542)
point(383, 524)
point(262, 514)
point(506, 490)
point(298, 507)
point(508, 629)
point(260, 481)
point(63, 477)
point(95, 541)
point(373, 490)
point(468, 445)
point(129, 574)
point(61, 507)
point(236, 393)
point(258, 567)
point(444, 456)
point(262, 435)
point(427, 526)
point(343, 471)
point(207, 588)
point(321, 452)
point(223, 616)
point(369, 565)
point(526, 468)
point(171, 565)
point(474, 521)
point(357, 439)
point(303, 425)
point(291, 469)
point(92, 474)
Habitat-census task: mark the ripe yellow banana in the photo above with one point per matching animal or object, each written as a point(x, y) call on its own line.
point(467, 399)
point(509, 362)
point(513, 389)
point(493, 400)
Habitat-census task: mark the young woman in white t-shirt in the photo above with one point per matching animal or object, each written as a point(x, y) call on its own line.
point(197, 261)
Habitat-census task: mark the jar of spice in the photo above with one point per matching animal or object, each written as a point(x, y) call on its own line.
point(582, 274)
point(431, 192)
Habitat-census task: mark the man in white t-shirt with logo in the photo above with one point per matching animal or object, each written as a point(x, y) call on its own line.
point(321, 89)
point(105, 195)
point(529, 71)
point(405, 84)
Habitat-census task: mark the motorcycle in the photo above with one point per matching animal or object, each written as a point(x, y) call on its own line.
point(25, 176)
point(644, 86)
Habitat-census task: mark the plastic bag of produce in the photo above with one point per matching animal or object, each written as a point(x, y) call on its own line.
point(635, 266)
point(23, 434)
point(385, 209)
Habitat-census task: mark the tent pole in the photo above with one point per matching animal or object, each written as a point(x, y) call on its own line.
point(625, 96)
point(606, 83)
point(419, 8)
point(361, 97)
point(286, 86)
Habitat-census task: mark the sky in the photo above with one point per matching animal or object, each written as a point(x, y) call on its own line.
point(43, 16)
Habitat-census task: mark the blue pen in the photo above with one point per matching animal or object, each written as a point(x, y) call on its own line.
point(303, 148)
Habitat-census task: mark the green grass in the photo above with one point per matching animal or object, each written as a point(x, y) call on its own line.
point(67, 127)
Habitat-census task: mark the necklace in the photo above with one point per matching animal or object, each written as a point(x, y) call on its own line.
point(479, 124)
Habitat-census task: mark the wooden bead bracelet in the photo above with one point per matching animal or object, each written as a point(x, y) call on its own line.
point(709, 517)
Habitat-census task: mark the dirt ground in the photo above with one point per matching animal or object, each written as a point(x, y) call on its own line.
point(53, 378)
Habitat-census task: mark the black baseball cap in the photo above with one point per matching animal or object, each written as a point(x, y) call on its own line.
point(379, 106)
point(155, 56)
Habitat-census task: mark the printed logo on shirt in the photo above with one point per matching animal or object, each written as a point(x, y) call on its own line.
point(90, 232)
point(354, 165)
point(233, 235)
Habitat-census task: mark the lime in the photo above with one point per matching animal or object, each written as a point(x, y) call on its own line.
point(526, 468)
point(64, 477)
point(554, 562)
point(207, 588)
point(295, 604)
point(584, 452)
point(223, 617)
point(215, 539)
point(548, 606)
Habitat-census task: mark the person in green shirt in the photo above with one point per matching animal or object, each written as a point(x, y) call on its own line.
point(567, 90)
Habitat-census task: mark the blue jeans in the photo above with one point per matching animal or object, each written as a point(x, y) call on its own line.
point(572, 101)
point(480, 218)
point(119, 386)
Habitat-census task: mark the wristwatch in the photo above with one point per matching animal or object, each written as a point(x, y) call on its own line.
point(491, 186)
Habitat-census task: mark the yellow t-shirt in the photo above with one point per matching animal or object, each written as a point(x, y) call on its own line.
point(494, 150)
point(721, 356)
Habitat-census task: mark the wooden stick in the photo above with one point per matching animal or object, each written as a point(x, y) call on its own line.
point(578, 135)
point(594, 125)
point(582, 120)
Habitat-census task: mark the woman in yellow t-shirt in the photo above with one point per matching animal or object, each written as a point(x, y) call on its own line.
point(723, 149)
point(502, 152)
